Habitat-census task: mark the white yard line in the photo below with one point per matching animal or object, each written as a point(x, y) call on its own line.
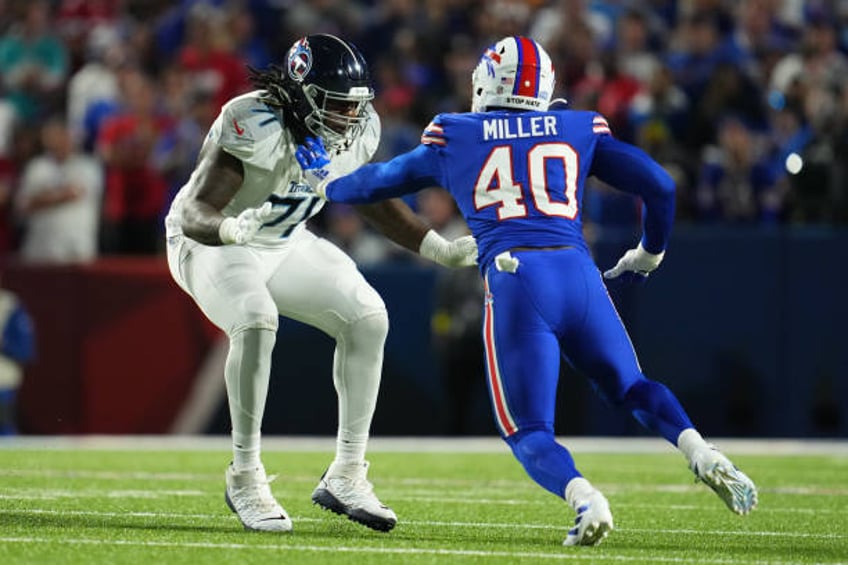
point(562, 555)
point(418, 486)
point(581, 444)
point(436, 523)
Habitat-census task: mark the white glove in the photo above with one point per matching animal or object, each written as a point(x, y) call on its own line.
point(635, 263)
point(314, 161)
point(461, 252)
point(243, 228)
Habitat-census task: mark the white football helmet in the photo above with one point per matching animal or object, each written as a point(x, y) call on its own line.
point(515, 73)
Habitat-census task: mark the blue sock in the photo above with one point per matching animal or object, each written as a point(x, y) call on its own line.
point(656, 408)
point(547, 462)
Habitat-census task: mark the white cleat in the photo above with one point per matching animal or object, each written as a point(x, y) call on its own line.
point(345, 490)
point(593, 522)
point(249, 496)
point(731, 485)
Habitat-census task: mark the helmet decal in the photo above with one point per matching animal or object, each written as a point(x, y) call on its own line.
point(491, 58)
point(325, 86)
point(300, 60)
point(527, 82)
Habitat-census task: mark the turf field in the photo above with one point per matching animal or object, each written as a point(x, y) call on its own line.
point(160, 500)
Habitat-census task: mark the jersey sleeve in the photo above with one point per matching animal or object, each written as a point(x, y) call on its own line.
point(600, 126)
point(628, 168)
point(249, 131)
point(434, 134)
point(405, 174)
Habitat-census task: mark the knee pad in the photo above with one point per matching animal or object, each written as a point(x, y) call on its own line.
point(374, 325)
point(254, 311)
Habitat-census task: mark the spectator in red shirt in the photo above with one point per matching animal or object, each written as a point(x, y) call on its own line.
point(136, 191)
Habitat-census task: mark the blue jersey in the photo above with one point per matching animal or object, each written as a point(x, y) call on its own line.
point(518, 177)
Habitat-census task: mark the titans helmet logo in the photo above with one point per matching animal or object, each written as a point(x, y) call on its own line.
point(300, 60)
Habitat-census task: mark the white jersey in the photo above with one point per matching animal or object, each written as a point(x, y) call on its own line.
point(253, 132)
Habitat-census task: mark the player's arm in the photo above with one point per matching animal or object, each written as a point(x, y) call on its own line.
point(382, 182)
point(394, 219)
point(219, 177)
point(405, 174)
point(628, 168)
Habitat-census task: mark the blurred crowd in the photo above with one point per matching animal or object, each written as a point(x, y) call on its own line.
point(104, 103)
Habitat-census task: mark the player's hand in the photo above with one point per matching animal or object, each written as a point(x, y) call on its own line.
point(243, 228)
point(634, 266)
point(313, 159)
point(461, 252)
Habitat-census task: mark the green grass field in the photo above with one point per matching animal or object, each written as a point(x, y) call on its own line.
point(94, 504)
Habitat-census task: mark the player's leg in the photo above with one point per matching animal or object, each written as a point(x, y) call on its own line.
point(227, 285)
point(601, 349)
point(319, 285)
point(522, 370)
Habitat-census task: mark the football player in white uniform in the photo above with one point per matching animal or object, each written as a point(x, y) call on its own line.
point(238, 244)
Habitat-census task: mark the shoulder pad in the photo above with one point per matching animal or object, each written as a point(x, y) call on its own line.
point(249, 118)
point(245, 125)
point(373, 131)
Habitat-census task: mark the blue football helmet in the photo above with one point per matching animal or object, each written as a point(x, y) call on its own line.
point(326, 86)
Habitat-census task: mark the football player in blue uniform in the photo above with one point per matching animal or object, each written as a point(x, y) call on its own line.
point(517, 170)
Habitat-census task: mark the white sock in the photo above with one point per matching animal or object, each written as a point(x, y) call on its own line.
point(689, 442)
point(247, 373)
point(350, 449)
point(578, 490)
point(357, 368)
point(246, 450)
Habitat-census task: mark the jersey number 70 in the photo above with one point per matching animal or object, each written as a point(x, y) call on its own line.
point(496, 186)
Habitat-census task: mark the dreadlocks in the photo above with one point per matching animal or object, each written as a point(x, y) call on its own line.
point(270, 81)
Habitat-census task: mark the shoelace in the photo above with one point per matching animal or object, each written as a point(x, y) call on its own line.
point(359, 489)
point(259, 495)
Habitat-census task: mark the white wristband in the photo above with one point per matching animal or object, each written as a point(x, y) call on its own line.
point(432, 246)
point(227, 230)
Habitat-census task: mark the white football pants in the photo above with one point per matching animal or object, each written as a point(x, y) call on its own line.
point(242, 289)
